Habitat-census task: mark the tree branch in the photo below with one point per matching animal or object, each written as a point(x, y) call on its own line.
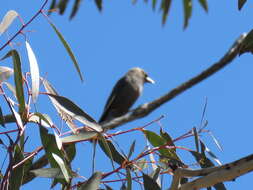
point(145, 109)
point(212, 175)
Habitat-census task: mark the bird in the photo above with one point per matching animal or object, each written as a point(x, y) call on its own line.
point(124, 94)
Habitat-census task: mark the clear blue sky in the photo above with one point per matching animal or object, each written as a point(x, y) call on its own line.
point(123, 36)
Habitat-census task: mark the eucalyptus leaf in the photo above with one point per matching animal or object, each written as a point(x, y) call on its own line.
point(5, 73)
point(68, 49)
point(92, 183)
point(34, 70)
point(7, 20)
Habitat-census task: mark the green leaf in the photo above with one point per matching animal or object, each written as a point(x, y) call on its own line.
point(157, 141)
point(167, 138)
point(109, 149)
point(50, 146)
point(241, 3)
point(71, 109)
point(204, 148)
point(52, 6)
point(131, 150)
point(17, 174)
point(75, 8)
point(7, 20)
point(68, 119)
point(70, 150)
point(67, 47)
point(34, 70)
point(154, 2)
point(2, 122)
point(18, 78)
point(16, 115)
point(92, 183)
point(41, 119)
point(48, 173)
point(150, 183)
point(62, 6)
point(62, 166)
point(129, 179)
point(165, 7)
point(80, 136)
point(204, 4)
point(187, 12)
point(99, 4)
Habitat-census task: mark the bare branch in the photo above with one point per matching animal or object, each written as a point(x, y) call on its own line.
point(145, 109)
point(212, 175)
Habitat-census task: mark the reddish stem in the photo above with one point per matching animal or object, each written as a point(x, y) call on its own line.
point(24, 26)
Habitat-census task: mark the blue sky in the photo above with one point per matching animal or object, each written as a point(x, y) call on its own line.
point(123, 36)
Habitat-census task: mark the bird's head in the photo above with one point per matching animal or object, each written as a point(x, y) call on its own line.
point(140, 74)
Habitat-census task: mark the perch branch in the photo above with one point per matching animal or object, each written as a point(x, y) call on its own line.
point(145, 109)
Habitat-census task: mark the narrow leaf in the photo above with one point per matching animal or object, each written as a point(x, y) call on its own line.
point(75, 8)
point(52, 6)
point(154, 4)
point(67, 47)
point(75, 112)
point(16, 115)
point(62, 166)
point(204, 4)
point(129, 179)
point(99, 4)
point(156, 169)
point(81, 136)
point(2, 122)
point(7, 20)
point(216, 141)
point(18, 80)
point(5, 73)
point(167, 138)
point(58, 141)
point(206, 149)
point(156, 141)
point(103, 143)
point(110, 150)
point(131, 150)
point(70, 150)
point(42, 119)
point(34, 70)
point(187, 12)
point(50, 146)
point(241, 3)
point(48, 172)
point(92, 183)
point(68, 119)
point(165, 6)
point(150, 183)
point(62, 6)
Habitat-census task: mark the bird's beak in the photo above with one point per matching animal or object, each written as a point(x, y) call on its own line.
point(150, 80)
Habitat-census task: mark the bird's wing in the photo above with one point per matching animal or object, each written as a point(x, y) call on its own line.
point(119, 86)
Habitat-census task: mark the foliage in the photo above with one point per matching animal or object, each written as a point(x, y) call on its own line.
point(158, 158)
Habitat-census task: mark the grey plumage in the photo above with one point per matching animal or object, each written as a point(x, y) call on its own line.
point(125, 93)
